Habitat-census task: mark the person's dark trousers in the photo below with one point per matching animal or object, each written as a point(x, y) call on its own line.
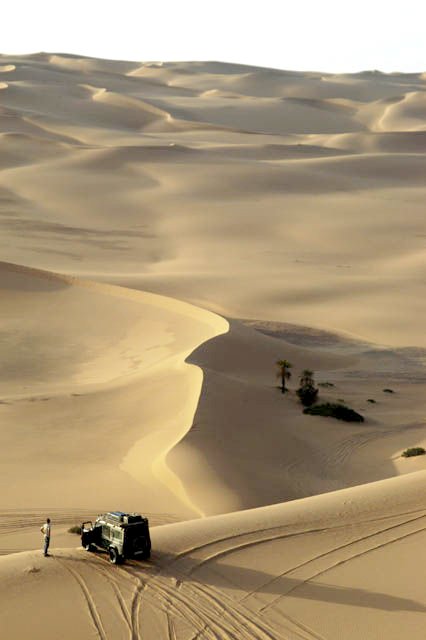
point(46, 545)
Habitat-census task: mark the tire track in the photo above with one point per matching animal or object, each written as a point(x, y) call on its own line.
point(337, 564)
point(350, 445)
point(243, 614)
point(135, 610)
point(303, 630)
point(201, 610)
point(173, 601)
point(246, 617)
point(120, 599)
point(131, 612)
point(334, 550)
point(171, 628)
point(281, 535)
point(210, 611)
point(215, 622)
point(280, 527)
point(91, 605)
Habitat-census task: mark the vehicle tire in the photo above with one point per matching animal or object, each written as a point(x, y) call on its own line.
point(147, 552)
point(144, 545)
point(114, 556)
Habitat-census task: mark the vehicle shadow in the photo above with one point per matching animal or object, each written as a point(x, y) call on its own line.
point(256, 582)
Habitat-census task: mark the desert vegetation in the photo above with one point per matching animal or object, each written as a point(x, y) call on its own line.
point(413, 451)
point(335, 410)
point(284, 373)
point(307, 391)
point(75, 529)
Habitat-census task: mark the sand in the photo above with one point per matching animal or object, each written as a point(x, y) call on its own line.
point(169, 231)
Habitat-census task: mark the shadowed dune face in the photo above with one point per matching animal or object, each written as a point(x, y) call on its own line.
point(293, 200)
point(308, 188)
point(84, 380)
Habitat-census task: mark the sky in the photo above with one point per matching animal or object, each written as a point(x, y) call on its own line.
point(328, 35)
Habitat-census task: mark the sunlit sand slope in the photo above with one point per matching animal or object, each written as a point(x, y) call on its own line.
point(94, 392)
point(94, 385)
point(340, 565)
point(256, 193)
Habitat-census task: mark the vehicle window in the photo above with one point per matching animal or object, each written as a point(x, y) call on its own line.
point(117, 533)
point(105, 532)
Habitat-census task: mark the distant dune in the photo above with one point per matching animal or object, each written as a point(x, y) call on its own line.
point(332, 162)
point(169, 231)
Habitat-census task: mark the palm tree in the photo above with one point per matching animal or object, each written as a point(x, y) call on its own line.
point(284, 373)
point(307, 378)
point(307, 391)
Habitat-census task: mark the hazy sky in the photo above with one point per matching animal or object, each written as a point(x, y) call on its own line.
point(327, 35)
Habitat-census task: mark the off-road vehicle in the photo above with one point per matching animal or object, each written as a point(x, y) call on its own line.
point(124, 535)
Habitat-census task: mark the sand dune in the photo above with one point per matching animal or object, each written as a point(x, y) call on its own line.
point(198, 172)
point(387, 142)
point(66, 368)
point(265, 115)
point(308, 569)
point(408, 114)
point(282, 455)
point(19, 149)
point(88, 65)
point(168, 231)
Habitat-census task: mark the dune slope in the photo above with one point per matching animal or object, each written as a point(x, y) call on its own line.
point(322, 567)
point(183, 226)
point(153, 176)
point(89, 373)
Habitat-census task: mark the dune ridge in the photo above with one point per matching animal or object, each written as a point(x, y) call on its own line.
point(168, 232)
point(191, 164)
point(92, 369)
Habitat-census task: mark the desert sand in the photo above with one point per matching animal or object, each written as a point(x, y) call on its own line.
point(169, 231)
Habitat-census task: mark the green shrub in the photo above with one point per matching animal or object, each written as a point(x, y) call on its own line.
point(388, 391)
point(371, 400)
point(335, 410)
point(325, 384)
point(307, 395)
point(413, 451)
point(75, 529)
point(307, 392)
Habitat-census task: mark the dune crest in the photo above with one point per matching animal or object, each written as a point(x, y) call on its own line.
point(182, 155)
point(128, 346)
point(186, 225)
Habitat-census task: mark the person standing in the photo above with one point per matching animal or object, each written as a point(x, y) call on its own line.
point(45, 529)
